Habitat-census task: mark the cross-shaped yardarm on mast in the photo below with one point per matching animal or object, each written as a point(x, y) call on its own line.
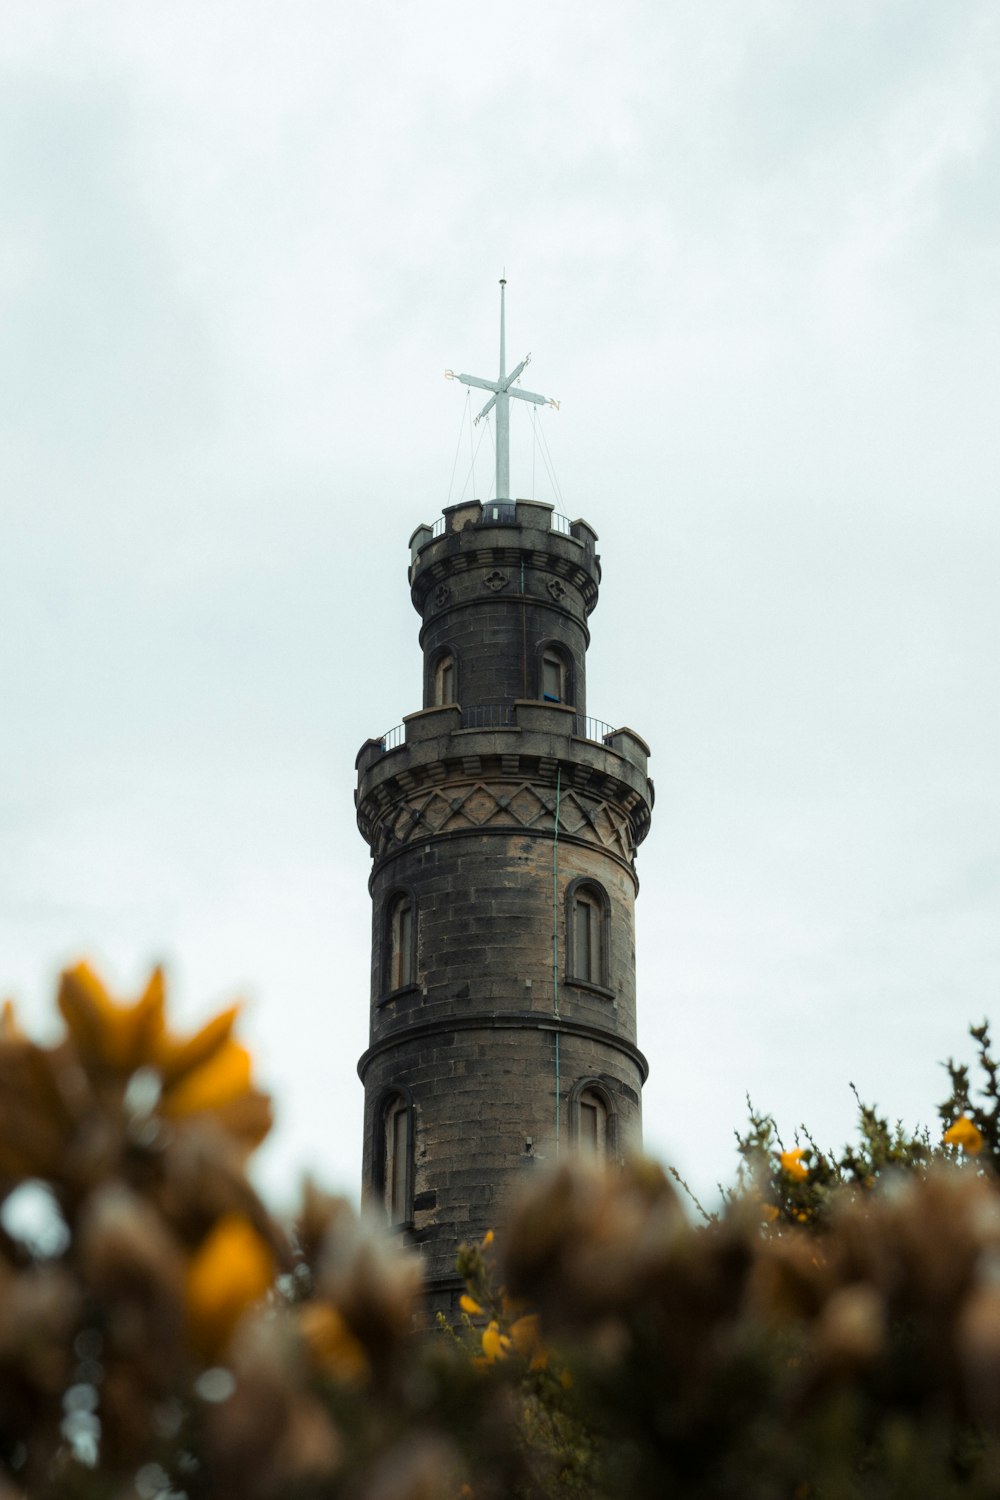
point(502, 391)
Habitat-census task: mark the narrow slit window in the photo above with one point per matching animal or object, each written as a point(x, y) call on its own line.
point(401, 955)
point(587, 924)
point(444, 681)
point(396, 1173)
point(554, 677)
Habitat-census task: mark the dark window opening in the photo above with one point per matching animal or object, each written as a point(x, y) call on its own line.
point(592, 1131)
point(588, 923)
point(554, 677)
point(444, 682)
point(400, 969)
point(396, 1161)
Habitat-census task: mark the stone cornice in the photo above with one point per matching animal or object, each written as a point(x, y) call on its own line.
point(478, 543)
point(512, 1020)
point(502, 792)
point(488, 777)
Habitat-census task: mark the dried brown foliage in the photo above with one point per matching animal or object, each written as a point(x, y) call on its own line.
point(833, 1332)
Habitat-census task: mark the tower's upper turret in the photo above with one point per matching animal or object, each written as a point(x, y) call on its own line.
point(504, 592)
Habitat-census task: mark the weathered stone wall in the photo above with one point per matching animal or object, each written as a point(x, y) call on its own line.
point(497, 646)
point(485, 905)
point(484, 1107)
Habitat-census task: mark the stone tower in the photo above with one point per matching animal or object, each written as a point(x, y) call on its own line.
point(503, 824)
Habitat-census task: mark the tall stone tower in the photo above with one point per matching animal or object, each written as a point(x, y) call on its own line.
point(503, 824)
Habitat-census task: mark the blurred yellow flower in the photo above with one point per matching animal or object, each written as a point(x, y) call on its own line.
point(331, 1343)
point(9, 1029)
point(496, 1345)
point(470, 1305)
point(113, 1036)
point(966, 1134)
point(525, 1338)
point(524, 1334)
point(207, 1073)
point(221, 1078)
point(231, 1269)
point(793, 1164)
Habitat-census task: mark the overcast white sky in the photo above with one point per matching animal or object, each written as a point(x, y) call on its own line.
point(754, 247)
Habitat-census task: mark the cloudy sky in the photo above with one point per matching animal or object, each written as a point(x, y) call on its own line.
point(754, 248)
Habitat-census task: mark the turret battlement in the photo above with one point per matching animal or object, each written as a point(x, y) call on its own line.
point(530, 525)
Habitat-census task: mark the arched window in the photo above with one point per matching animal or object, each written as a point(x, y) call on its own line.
point(396, 1159)
point(555, 677)
point(445, 681)
point(593, 1121)
point(587, 934)
point(592, 1128)
point(400, 963)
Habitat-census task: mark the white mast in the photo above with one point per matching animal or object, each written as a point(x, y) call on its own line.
point(502, 392)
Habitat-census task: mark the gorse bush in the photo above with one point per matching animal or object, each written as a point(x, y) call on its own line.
point(833, 1331)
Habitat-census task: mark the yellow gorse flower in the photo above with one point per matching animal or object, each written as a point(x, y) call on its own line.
point(206, 1073)
point(331, 1344)
point(109, 1035)
point(792, 1163)
point(230, 1271)
point(965, 1133)
point(496, 1345)
point(470, 1305)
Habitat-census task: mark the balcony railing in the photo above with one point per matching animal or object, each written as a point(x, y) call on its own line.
point(393, 738)
point(501, 716)
point(488, 716)
point(586, 728)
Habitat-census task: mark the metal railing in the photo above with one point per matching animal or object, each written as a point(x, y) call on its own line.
point(586, 728)
point(501, 716)
point(504, 513)
point(488, 716)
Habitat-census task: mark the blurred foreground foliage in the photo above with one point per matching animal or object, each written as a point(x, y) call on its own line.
point(833, 1331)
